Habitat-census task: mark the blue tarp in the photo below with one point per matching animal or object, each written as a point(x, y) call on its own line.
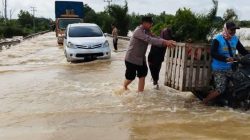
point(61, 6)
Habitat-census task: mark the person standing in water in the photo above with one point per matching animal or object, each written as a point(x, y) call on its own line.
point(156, 57)
point(135, 59)
point(115, 36)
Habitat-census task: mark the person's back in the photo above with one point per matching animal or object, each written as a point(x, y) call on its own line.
point(156, 57)
point(157, 54)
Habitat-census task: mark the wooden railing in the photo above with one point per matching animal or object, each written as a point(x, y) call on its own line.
point(9, 44)
point(188, 66)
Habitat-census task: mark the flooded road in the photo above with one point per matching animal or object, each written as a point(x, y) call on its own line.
point(42, 97)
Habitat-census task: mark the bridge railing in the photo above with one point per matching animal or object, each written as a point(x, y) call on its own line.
point(9, 44)
point(120, 37)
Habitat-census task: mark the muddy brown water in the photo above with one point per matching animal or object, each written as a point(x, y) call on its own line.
point(43, 97)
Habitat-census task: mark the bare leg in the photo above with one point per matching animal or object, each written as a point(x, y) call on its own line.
point(141, 84)
point(213, 94)
point(126, 83)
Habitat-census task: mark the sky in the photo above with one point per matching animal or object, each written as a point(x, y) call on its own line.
point(45, 8)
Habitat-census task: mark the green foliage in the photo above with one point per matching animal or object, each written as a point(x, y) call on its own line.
point(187, 25)
point(120, 16)
point(104, 21)
point(230, 15)
point(244, 23)
point(25, 19)
point(10, 31)
point(184, 25)
point(90, 16)
point(162, 21)
point(42, 24)
point(23, 26)
point(134, 21)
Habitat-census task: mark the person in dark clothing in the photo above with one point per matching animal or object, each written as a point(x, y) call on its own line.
point(223, 51)
point(156, 57)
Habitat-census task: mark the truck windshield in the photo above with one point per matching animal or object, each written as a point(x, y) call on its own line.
point(85, 31)
point(63, 23)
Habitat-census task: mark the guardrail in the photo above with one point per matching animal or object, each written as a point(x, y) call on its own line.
point(128, 38)
point(36, 34)
point(120, 37)
point(8, 44)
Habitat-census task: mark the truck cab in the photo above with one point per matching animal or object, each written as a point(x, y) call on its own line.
point(67, 12)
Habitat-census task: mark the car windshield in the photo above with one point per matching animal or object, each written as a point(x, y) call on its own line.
point(85, 31)
point(63, 23)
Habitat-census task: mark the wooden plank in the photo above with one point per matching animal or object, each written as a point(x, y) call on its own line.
point(178, 68)
point(167, 58)
point(183, 70)
point(174, 67)
point(169, 69)
point(203, 82)
point(197, 71)
point(190, 73)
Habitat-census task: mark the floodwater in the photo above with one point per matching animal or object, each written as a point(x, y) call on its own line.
point(42, 97)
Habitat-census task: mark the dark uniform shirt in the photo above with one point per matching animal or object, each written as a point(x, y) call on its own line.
point(139, 44)
point(157, 54)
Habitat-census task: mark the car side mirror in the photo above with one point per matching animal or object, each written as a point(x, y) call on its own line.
point(105, 34)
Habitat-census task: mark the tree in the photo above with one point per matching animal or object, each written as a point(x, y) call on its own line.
point(185, 25)
point(42, 24)
point(104, 20)
point(230, 15)
point(134, 21)
point(25, 19)
point(121, 18)
point(89, 14)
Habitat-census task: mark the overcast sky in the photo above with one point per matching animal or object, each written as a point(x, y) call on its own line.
point(45, 8)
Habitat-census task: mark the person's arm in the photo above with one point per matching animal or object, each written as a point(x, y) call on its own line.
point(215, 51)
point(241, 49)
point(139, 34)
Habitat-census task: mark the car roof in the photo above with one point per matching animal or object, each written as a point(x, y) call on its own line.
point(82, 24)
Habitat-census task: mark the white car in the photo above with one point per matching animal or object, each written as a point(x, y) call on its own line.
point(85, 40)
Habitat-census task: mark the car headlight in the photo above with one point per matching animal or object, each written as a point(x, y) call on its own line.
point(61, 35)
point(71, 45)
point(106, 44)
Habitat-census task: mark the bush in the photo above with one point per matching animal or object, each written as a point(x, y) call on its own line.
point(187, 25)
point(120, 17)
point(10, 31)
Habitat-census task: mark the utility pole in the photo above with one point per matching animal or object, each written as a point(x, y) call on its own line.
point(5, 9)
point(108, 1)
point(33, 9)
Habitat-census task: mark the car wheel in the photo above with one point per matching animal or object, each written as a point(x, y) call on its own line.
point(109, 56)
point(67, 58)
